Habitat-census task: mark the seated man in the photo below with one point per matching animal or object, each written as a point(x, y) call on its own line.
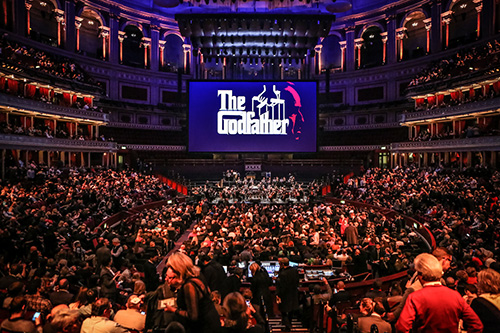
point(132, 318)
point(15, 322)
point(100, 322)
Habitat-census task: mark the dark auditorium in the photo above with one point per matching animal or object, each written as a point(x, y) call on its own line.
point(249, 166)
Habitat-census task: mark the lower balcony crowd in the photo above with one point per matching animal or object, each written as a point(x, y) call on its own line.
point(60, 258)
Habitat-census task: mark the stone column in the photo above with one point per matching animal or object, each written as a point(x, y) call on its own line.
point(146, 44)
point(358, 44)
point(78, 25)
point(155, 47)
point(343, 46)
point(104, 34)
point(384, 37)
point(161, 45)
point(428, 27)
point(317, 59)
point(70, 33)
point(446, 20)
point(121, 37)
point(391, 40)
point(400, 35)
point(350, 55)
point(114, 38)
point(28, 4)
point(479, 9)
point(59, 14)
point(187, 58)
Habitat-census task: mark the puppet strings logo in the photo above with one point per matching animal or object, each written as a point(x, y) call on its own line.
point(267, 116)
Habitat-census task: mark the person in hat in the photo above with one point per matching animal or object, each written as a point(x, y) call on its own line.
point(132, 318)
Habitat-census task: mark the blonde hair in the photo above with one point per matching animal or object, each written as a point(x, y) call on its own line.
point(488, 281)
point(183, 266)
point(254, 267)
point(428, 267)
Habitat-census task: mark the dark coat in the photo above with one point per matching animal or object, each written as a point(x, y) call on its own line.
point(60, 297)
point(287, 288)
point(214, 275)
point(351, 234)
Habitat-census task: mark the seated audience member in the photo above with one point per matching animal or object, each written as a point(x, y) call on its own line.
point(132, 318)
point(341, 295)
point(435, 308)
point(16, 322)
point(487, 305)
point(372, 315)
point(99, 322)
point(62, 295)
point(66, 321)
point(319, 297)
point(35, 300)
point(237, 318)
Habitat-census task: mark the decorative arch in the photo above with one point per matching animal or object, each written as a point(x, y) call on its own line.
point(172, 32)
point(136, 24)
point(56, 4)
point(450, 4)
point(370, 25)
point(408, 15)
point(97, 13)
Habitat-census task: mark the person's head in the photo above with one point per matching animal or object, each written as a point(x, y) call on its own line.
point(63, 284)
point(340, 285)
point(179, 268)
point(471, 290)
point(66, 321)
point(101, 307)
point(16, 288)
point(235, 305)
point(443, 255)
point(17, 304)
point(366, 306)
point(450, 282)
point(488, 281)
point(216, 297)
point(396, 289)
point(428, 267)
point(254, 267)
point(134, 302)
point(284, 262)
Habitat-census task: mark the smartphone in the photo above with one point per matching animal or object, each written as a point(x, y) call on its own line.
point(35, 316)
point(248, 302)
point(143, 313)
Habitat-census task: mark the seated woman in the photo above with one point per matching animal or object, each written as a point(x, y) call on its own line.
point(195, 310)
point(238, 315)
point(372, 312)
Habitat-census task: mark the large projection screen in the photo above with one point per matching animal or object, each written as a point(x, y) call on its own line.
point(254, 116)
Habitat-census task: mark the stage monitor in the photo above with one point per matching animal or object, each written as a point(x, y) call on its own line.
point(253, 116)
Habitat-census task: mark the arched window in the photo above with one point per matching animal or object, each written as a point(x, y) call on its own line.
point(463, 23)
point(133, 53)
point(416, 42)
point(90, 43)
point(372, 50)
point(331, 53)
point(43, 22)
point(173, 56)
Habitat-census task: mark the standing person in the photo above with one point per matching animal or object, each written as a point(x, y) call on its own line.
point(213, 272)
point(372, 311)
point(487, 305)
point(108, 281)
point(435, 308)
point(260, 284)
point(351, 234)
point(287, 289)
point(195, 309)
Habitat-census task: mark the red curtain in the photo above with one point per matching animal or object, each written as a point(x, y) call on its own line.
point(496, 86)
point(30, 90)
point(2, 83)
point(440, 98)
point(3, 116)
point(486, 89)
point(44, 91)
point(66, 99)
point(472, 93)
point(454, 95)
point(13, 85)
point(74, 100)
point(419, 101)
point(87, 100)
point(431, 100)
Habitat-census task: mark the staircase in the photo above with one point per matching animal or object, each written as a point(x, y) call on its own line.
point(275, 324)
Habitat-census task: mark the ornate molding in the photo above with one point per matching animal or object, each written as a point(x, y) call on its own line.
point(152, 147)
point(350, 148)
point(145, 126)
point(491, 143)
point(10, 141)
point(51, 109)
point(333, 128)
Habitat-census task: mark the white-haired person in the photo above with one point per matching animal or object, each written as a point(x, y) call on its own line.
point(195, 309)
point(435, 308)
point(132, 318)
